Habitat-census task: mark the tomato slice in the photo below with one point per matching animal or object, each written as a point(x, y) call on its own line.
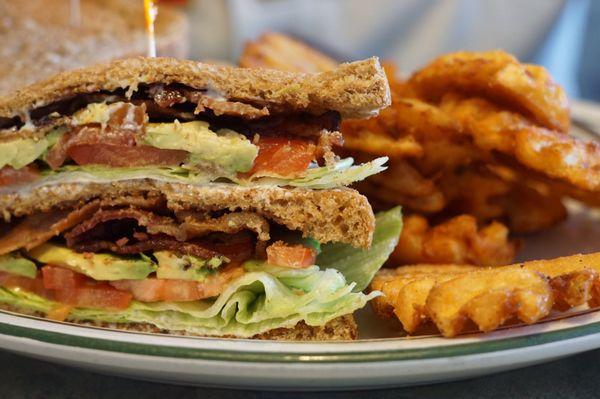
point(34, 285)
point(72, 288)
point(58, 278)
point(94, 295)
point(124, 156)
point(294, 256)
point(155, 290)
point(10, 175)
point(282, 156)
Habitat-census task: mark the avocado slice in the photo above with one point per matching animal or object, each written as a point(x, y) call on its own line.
point(21, 152)
point(96, 266)
point(186, 267)
point(225, 148)
point(16, 264)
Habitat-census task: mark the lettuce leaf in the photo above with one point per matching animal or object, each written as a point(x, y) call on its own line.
point(358, 265)
point(343, 173)
point(256, 302)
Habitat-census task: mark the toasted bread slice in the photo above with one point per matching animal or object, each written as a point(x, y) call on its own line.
point(343, 328)
point(40, 39)
point(338, 215)
point(355, 90)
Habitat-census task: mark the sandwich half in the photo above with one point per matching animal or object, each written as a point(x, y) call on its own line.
point(174, 196)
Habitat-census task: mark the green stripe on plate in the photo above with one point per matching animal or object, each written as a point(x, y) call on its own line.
point(347, 357)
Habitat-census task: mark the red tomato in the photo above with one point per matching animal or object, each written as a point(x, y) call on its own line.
point(57, 278)
point(72, 288)
point(94, 295)
point(69, 288)
point(34, 285)
point(294, 256)
point(10, 175)
point(283, 156)
point(124, 156)
point(155, 290)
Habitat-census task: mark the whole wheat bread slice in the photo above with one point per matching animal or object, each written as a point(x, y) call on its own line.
point(358, 89)
point(338, 215)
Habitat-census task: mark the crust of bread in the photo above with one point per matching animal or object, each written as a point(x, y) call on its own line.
point(358, 89)
point(343, 328)
point(334, 215)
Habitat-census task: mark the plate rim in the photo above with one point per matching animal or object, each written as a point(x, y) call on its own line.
point(364, 356)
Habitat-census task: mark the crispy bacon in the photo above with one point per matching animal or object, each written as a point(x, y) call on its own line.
point(159, 242)
point(119, 223)
point(36, 229)
point(131, 230)
point(298, 125)
point(166, 97)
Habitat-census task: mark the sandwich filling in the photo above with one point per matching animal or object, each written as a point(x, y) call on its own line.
point(173, 133)
point(134, 260)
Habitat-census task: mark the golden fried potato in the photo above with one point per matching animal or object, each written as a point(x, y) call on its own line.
point(457, 241)
point(489, 298)
point(500, 77)
point(402, 184)
point(379, 145)
point(449, 295)
point(277, 51)
point(553, 154)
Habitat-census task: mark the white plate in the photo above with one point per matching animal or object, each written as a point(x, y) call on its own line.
point(377, 360)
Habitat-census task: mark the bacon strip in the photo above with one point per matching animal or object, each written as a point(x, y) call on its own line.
point(166, 97)
point(36, 229)
point(153, 224)
point(149, 243)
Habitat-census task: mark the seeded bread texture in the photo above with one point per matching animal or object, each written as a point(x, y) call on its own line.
point(358, 89)
point(338, 215)
point(40, 38)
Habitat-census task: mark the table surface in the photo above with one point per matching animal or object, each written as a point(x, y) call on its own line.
point(577, 376)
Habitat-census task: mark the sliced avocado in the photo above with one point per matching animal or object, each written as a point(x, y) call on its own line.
point(96, 266)
point(186, 267)
point(21, 152)
point(16, 264)
point(225, 148)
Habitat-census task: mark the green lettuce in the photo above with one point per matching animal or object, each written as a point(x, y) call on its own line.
point(359, 265)
point(264, 298)
point(343, 173)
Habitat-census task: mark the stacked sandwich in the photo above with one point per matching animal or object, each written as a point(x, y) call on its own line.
point(169, 195)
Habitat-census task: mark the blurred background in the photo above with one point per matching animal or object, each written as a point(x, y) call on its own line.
point(562, 35)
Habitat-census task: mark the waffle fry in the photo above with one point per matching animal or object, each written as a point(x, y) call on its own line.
point(451, 295)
